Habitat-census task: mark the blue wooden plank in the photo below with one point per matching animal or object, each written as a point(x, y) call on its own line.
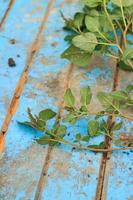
point(72, 174)
point(44, 89)
point(43, 77)
point(120, 179)
point(22, 26)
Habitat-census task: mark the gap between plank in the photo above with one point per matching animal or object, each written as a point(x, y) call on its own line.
point(20, 85)
point(102, 185)
point(10, 5)
point(43, 176)
point(104, 171)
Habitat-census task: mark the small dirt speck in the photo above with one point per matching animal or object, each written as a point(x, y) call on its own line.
point(11, 62)
point(54, 44)
point(127, 153)
point(12, 41)
point(18, 55)
point(73, 148)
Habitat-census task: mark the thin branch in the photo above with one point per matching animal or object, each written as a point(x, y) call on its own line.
point(122, 12)
point(81, 147)
point(111, 23)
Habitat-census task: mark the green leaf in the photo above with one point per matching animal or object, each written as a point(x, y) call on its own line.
point(69, 38)
point(92, 3)
point(129, 89)
point(46, 114)
point(27, 124)
point(78, 137)
point(119, 95)
point(98, 146)
point(105, 99)
point(30, 124)
point(125, 67)
point(126, 62)
point(44, 140)
point(92, 23)
point(86, 96)
point(118, 142)
point(70, 118)
point(86, 42)
point(86, 138)
point(92, 12)
point(103, 125)
point(77, 56)
point(83, 109)
point(61, 130)
point(118, 126)
point(128, 54)
point(116, 14)
point(102, 145)
point(104, 24)
point(69, 98)
point(124, 3)
point(93, 128)
point(78, 19)
point(41, 123)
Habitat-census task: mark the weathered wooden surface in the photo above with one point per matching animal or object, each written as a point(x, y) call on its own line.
point(29, 171)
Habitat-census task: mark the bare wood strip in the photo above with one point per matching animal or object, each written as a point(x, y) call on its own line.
point(43, 176)
point(20, 85)
point(11, 3)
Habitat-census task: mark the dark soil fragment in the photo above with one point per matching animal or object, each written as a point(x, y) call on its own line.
point(11, 62)
point(54, 44)
point(73, 148)
point(13, 41)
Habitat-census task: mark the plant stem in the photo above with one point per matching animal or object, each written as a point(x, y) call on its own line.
point(89, 148)
point(104, 37)
point(111, 23)
point(110, 55)
point(107, 44)
point(120, 27)
point(122, 12)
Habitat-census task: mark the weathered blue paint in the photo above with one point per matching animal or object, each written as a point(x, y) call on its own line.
point(91, 76)
point(71, 174)
point(22, 25)
point(120, 180)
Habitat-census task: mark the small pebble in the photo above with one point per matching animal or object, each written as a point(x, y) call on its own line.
point(11, 62)
point(73, 148)
point(13, 41)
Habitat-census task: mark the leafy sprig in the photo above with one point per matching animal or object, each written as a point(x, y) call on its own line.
point(97, 126)
point(102, 27)
point(97, 29)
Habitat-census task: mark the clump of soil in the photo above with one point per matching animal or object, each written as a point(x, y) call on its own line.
point(11, 62)
point(13, 41)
